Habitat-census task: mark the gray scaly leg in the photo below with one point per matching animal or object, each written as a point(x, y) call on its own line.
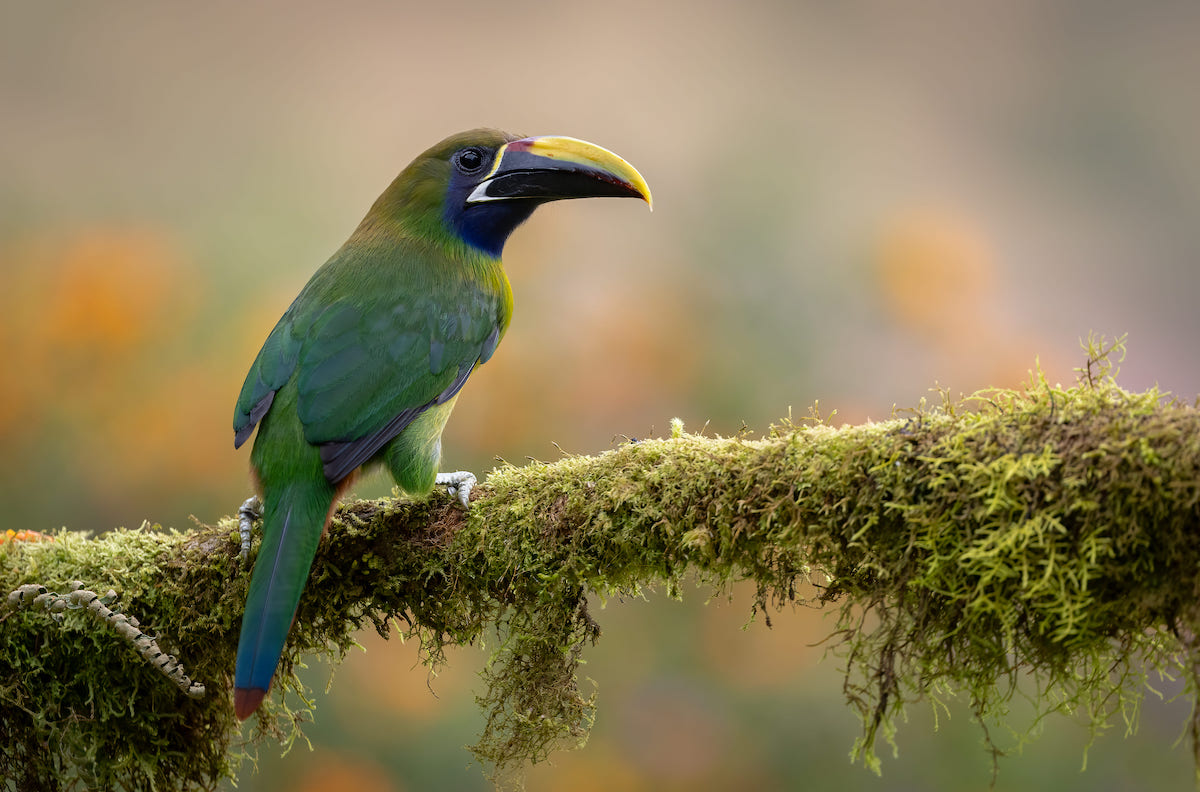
point(250, 510)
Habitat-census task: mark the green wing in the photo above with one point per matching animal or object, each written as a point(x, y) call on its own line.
point(369, 359)
point(273, 367)
point(366, 371)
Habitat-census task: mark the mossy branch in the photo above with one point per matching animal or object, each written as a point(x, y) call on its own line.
point(38, 597)
point(1049, 531)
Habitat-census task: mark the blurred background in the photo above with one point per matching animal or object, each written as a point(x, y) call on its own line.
point(855, 202)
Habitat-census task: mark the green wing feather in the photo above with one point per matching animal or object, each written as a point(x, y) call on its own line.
point(273, 367)
point(365, 366)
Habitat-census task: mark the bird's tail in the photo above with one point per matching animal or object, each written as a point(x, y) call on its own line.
point(294, 518)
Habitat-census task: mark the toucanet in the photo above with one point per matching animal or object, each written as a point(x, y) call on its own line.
point(365, 365)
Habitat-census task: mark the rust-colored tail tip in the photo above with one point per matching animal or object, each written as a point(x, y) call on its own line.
point(246, 701)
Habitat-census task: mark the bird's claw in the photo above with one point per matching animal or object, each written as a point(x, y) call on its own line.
point(248, 512)
point(458, 484)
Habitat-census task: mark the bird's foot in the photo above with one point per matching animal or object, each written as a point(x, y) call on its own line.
point(458, 483)
point(250, 510)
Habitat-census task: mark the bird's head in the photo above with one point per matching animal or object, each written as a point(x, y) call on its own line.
point(482, 184)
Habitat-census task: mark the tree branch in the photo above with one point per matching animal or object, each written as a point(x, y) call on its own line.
point(1050, 531)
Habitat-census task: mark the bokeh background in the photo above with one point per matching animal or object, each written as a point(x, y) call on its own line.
point(855, 202)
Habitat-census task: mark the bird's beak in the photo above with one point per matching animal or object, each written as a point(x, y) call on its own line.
point(555, 168)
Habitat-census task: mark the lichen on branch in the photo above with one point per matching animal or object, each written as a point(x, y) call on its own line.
point(37, 597)
point(1046, 532)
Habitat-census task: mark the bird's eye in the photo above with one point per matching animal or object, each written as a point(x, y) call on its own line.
point(470, 160)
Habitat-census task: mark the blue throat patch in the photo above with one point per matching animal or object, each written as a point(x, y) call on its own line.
point(485, 225)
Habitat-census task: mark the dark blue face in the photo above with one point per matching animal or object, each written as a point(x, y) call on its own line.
point(486, 224)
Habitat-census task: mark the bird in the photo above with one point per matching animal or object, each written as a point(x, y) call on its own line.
point(365, 366)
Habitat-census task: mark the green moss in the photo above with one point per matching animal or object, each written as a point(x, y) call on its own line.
point(1048, 532)
point(79, 707)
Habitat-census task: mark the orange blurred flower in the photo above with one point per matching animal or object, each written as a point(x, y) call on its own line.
point(24, 536)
